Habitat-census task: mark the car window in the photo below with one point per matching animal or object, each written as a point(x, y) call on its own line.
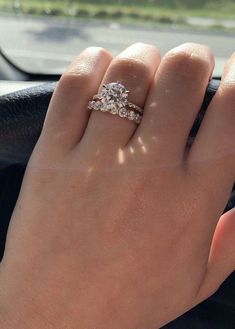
point(43, 36)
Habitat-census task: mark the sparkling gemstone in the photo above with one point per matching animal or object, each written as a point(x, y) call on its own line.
point(114, 91)
point(97, 106)
point(131, 115)
point(123, 113)
point(114, 99)
point(138, 118)
point(91, 104)
point(113, 109)
point(104, 108)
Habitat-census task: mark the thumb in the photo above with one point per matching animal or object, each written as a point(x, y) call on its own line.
point(221, 262)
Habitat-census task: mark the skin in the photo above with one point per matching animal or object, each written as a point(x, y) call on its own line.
point(118, 225)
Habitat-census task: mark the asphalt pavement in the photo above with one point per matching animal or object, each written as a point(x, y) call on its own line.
point(49, 44)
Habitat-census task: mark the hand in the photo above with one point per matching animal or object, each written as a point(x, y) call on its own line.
point(117, 225)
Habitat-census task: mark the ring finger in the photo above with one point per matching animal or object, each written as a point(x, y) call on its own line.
point(134, 68)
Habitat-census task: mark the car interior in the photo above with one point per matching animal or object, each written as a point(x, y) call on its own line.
point(23, 106)
point(24, 99)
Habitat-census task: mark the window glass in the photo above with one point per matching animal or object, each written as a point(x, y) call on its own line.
point(44, 35)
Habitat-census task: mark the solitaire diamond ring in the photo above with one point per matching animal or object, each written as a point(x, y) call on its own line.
point(113, 99)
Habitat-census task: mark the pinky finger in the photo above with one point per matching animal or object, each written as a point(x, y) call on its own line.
point(222, 256)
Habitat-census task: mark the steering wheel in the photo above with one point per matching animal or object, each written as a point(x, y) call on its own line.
point(21, 118)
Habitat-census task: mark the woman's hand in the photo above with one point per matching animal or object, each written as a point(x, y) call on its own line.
point(118, 226)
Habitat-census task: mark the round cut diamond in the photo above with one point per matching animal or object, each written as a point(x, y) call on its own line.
point(131, 115)
point(115, 92)
point(123, 113)
point(113, 98)
point(138, 118)
point(94, 105)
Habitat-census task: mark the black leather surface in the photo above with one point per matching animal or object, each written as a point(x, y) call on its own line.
point(21, 119)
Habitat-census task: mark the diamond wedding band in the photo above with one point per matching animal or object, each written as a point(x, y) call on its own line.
point(113, 99)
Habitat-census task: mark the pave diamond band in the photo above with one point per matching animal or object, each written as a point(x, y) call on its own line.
point(113, 99)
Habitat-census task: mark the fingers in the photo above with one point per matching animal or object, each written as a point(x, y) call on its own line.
point(67, 116)
point(134, 68)
point(211, 160)
point(175, 100)
point(222, 256)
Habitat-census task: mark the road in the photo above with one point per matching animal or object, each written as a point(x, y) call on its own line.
point(48, 44)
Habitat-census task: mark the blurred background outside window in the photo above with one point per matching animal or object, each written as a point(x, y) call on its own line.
point(44, 35)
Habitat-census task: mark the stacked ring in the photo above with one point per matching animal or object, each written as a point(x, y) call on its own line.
point(113, 99)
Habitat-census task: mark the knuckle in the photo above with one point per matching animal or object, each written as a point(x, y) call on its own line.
point(189, 61)
point(79, 79)
point(130, 68)
point(98, 51)
point(80, 72)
